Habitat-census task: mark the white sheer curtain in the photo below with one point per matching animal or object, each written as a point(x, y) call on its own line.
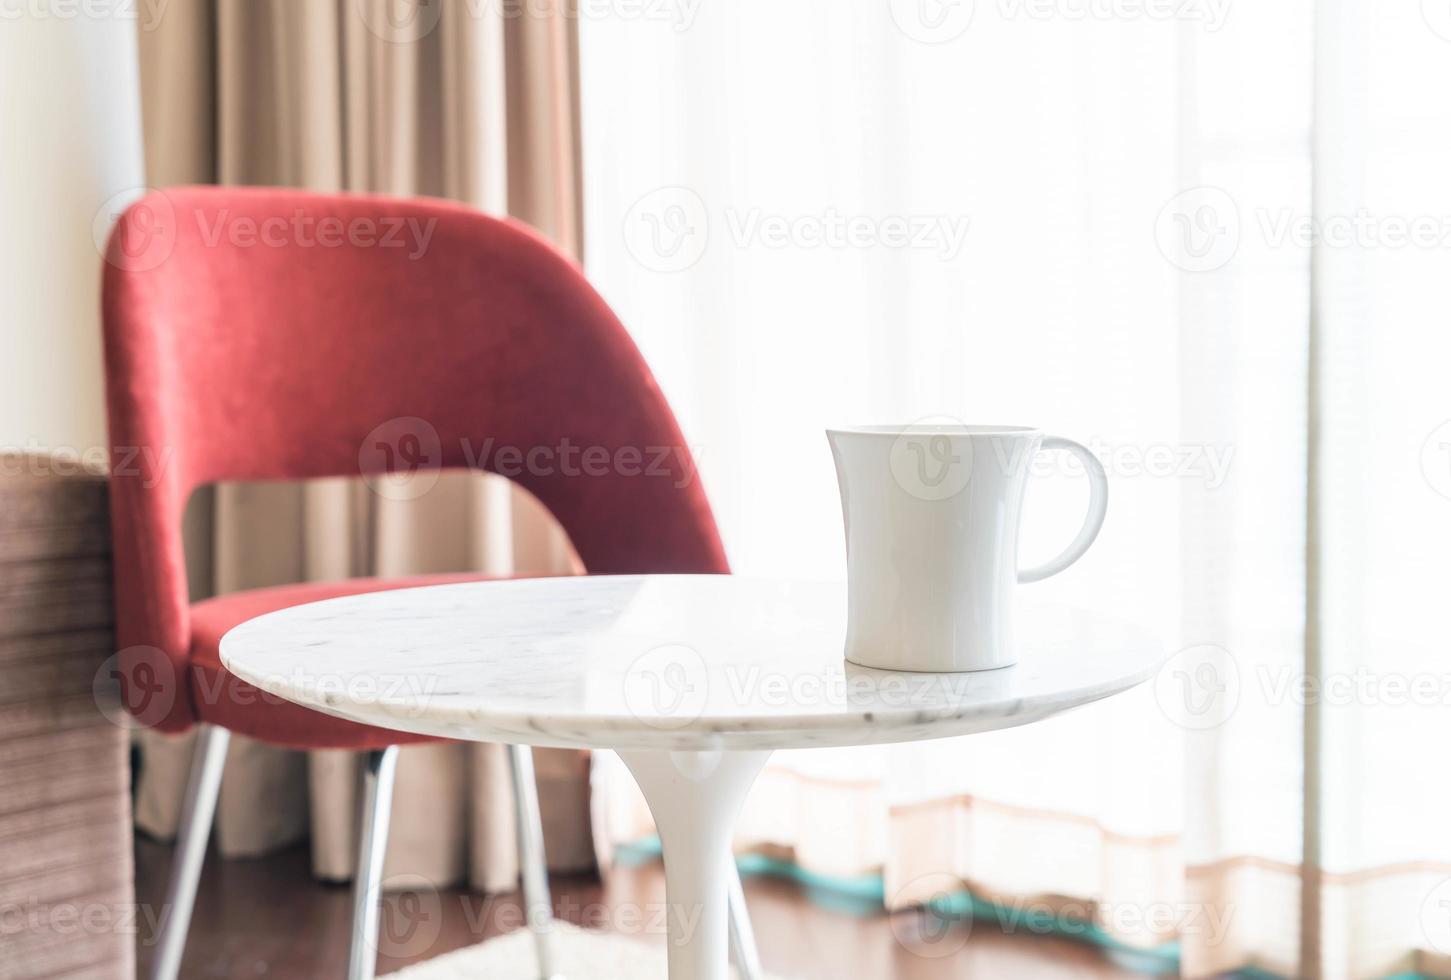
point(1382, 288)
point(1094, 218)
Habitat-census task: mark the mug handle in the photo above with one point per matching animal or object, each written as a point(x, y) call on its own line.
point(1092, 523)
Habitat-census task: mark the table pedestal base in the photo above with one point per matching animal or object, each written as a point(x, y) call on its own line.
point(694, 798)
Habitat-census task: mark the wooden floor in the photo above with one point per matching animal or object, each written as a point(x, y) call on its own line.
point(269, 918)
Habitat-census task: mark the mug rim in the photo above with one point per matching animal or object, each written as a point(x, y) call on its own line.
point(932, 429)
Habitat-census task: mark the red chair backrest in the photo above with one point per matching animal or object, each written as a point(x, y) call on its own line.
point(260, 334)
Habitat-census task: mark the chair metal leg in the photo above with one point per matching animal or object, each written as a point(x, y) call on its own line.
point(197, 810)
point(742, 936)
point(377, 802)
point(532, 870)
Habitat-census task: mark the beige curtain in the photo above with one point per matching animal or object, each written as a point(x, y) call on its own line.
point(465, 101)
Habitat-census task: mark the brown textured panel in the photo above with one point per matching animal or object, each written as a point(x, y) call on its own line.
point(102, 969)
point(83, 607)
point(55, 714)
point(59, 881)
point(48, 542)
point(51, 779)
point(88, 929)
point(18, 650)
point(66, 881)
point(31, 493)
point(27, 680)
point(25, 576)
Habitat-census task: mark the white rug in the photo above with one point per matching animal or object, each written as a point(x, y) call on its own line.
point(583, 955)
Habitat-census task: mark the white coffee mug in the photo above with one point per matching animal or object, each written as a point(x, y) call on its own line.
point(932, 515)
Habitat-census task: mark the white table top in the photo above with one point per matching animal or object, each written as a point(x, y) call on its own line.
point(658, 662)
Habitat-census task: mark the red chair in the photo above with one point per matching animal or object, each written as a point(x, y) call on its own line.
point(262, 334)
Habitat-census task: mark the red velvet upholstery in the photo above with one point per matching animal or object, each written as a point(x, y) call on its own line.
point(244, 344)
point(219, 697)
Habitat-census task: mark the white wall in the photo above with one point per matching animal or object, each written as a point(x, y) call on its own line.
point(70, 140)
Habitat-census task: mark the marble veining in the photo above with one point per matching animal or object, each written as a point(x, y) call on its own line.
point(677, 662)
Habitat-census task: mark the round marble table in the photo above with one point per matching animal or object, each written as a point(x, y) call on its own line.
point(692, 679)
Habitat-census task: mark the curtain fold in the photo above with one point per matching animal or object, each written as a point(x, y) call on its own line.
point(458, 100)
